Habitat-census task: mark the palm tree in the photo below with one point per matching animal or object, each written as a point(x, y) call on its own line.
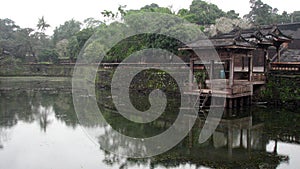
point(42, 25)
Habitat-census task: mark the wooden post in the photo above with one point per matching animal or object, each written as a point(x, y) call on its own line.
point(266, 56)
point(190, 136)
point(241, 138)
point(231, 71)
point(225, 103)
point(275, 147)
point(278, 53)
point(229, 140)
point(242, 102)
point(191, 74)
point(211, 72)
point(235, 102)
point(249, 140)
point(250, 68)
point(230, 103)
point(243, 63)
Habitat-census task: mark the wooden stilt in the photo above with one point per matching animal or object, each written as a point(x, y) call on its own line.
point(230, 104)
point(242, 102)
point(230, 140)
point(235, 103)
point(241, 138)
point(248, 140)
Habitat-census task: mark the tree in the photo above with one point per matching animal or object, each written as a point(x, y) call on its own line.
point(232, 14)
point(8, 30)
point(73, 45)
point(182, 12)
point(161, 24)
point(66, 31)
point(151, 8)
point(156, 8)
point(23, 44)
point(295, 16)
point(73, 48)
point(204, 13)
point(83, 35)
point(42, 25)
point(49, 55)
point(92, 23)
point(62, 47)
point(261, 13)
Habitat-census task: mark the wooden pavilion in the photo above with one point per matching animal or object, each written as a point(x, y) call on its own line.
point(235, 67)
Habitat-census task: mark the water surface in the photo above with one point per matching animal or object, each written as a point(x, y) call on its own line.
point(39, 129)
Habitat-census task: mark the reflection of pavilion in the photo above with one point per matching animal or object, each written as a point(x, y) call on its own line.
point(237, 136)
point(237, 142)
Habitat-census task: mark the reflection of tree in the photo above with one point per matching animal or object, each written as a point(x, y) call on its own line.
point(206, 154)
point(113, 141)
point(2, 135)
point(281, 125)
point(27, 105)
point(64, 110)
point(42, 114)
point(13, 106)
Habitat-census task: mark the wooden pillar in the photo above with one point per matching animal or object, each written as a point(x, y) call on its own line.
point(190, 135)
point(229, 140)
point(191, 74)
point(225, 103)
point(266, 58)
point(231, 71)
point(250, 100)
point(241, 138)
point(241, 101)
point(230, 103)
point(248, 140)
point(275, 147)
point(278, 53)
point(235, 102)
point(250, 67)
point(243, 63)
point(211, 71)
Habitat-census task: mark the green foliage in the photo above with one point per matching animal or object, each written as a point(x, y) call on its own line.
point(204, 13)
point(66, 31)
point(73, 48)
point(22, 43)
point(295, 16)
point(155, 8)
point(68, 39)
point(139, 42)
point(200, 77)
point(164, 25)
point(83, 35)
point(49, 55)
point(92, 23)
point(232, 14)
point(264, 14)
point(42, 25)
point(10, 61)
point(283, 89)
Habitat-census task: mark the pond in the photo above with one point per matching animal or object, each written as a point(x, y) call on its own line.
point(39, 129)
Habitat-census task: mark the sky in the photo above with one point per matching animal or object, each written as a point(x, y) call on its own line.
point(26, 12)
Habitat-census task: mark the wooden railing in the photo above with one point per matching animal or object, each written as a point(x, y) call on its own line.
point(258, 77)
point(285, 66)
